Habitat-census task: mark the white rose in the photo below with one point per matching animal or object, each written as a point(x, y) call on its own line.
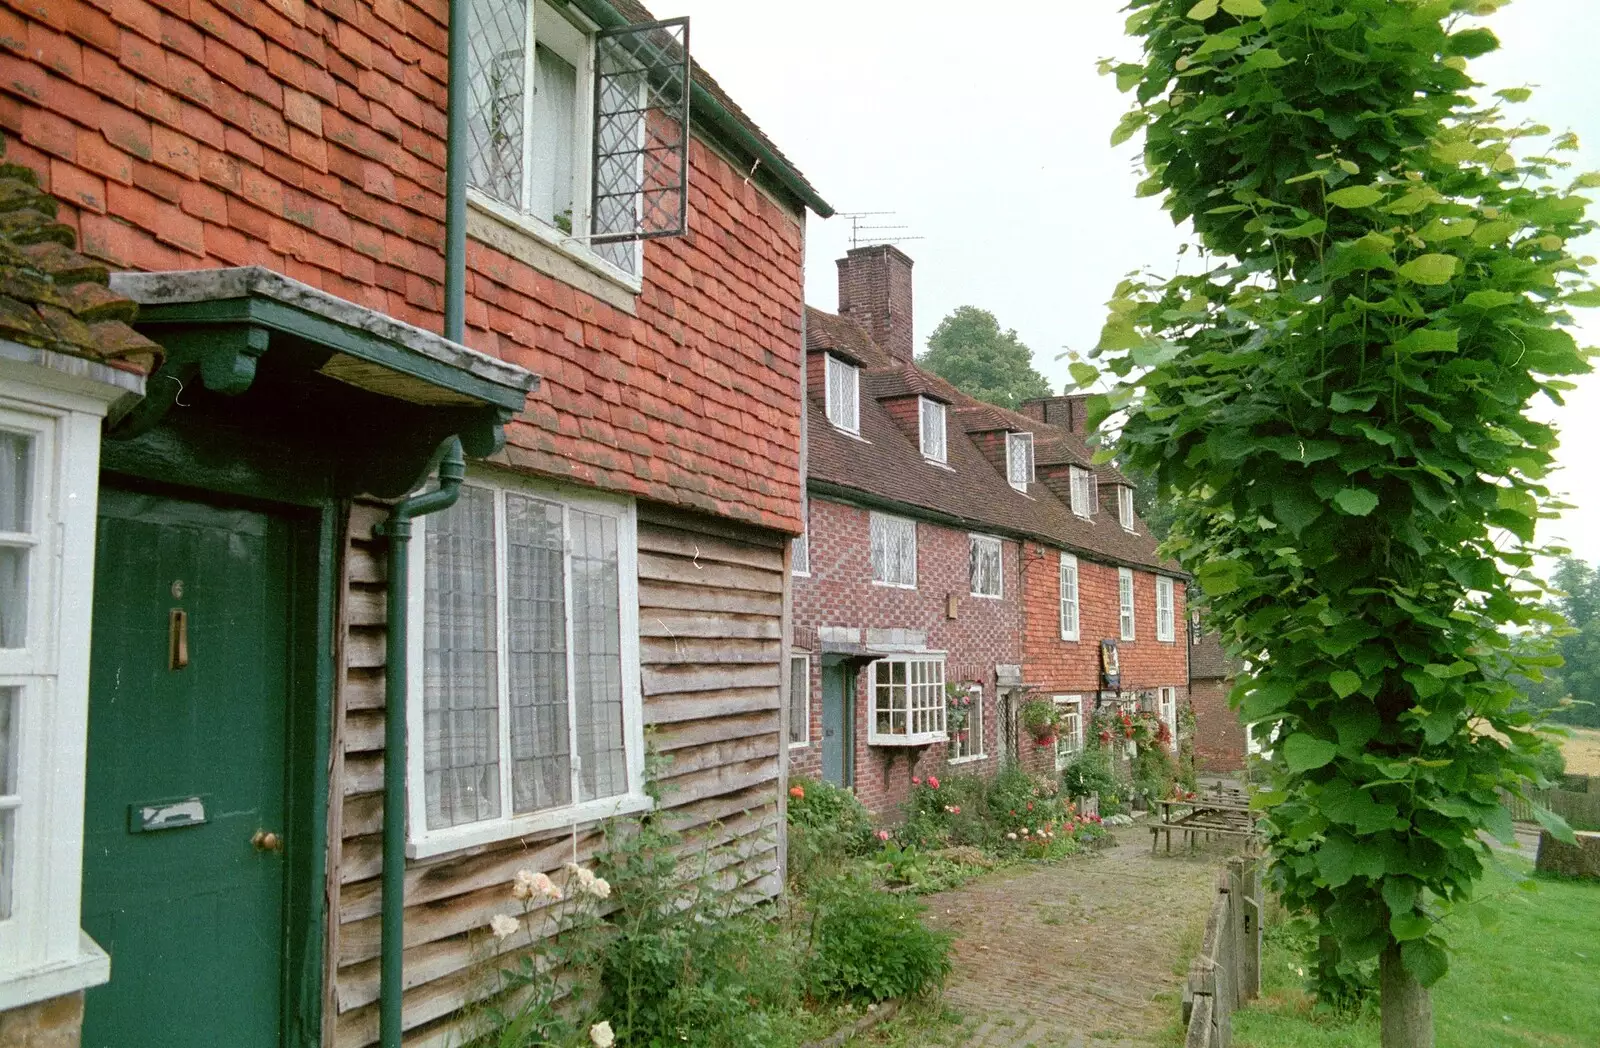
point(545, 888)
point(504, 925)
point(522, 885)
point(600, 1035)
point(600, 888)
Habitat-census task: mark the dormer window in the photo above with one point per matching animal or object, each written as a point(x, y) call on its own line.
point(1125, 506)
point(843, 395)
point(1083, 493)
point(1019, 460)
point(933, 443)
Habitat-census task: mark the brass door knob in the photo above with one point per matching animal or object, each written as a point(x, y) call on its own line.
point(266, 840)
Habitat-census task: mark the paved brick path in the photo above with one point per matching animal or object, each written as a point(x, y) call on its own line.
point(1075, 955)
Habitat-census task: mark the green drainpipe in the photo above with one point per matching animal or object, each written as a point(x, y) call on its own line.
point(397, 529)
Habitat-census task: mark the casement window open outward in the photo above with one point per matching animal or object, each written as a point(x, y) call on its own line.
point(931, 418)
point(1019, 460)
point(579, 134)
point(842, 394)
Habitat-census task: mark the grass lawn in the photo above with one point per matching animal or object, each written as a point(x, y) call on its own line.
point(1528, 982)
point(1582, 751)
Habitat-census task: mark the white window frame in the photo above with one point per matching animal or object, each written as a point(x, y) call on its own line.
point(1166, 617)
point(43, 951)
point(1073, 740)
point(803, 699)
point(423, 842)
point(1019, 460)
point(932, 429)
point(974, 730)
point(800, 548)
point(1070, 605)
point(1167, 710)
point(844, 408)
point(880, 524)
point(930, 696)
point(989, 543)
point(1128, 617)
point(1082, 492)
point(1125, 506)
point(574, 44)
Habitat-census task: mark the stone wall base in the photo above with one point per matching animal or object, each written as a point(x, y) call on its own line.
point(55, 1023)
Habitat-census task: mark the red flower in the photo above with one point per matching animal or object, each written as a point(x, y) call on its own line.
point(916, 780)
point(798, 793)
point(933, 782)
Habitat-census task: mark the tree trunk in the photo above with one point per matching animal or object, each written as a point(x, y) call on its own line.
point(1407, 1008)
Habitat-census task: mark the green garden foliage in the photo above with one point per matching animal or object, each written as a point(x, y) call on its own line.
point(868, 945)
point(970, 351)
point(1336, 394)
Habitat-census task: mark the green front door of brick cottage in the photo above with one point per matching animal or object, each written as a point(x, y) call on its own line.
point(184, 873)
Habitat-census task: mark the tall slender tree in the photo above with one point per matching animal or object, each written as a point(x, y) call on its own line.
point(1338, 402)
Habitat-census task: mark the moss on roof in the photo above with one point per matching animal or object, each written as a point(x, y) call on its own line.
point(51, 296)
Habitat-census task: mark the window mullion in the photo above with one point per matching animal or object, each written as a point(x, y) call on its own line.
point(574, 759)
point(502, 644)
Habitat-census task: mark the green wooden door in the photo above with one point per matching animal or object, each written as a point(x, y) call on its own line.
point(838, 723)
point(193, 913)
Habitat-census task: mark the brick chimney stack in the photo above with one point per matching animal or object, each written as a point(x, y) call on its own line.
point(875, 292)
point(1069, 412)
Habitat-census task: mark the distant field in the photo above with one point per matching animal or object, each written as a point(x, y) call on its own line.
point(1582, 751)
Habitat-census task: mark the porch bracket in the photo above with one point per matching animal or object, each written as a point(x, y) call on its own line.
point(221, 357)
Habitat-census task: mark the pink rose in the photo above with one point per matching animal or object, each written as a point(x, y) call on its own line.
point(933, 782)
point(916, 780)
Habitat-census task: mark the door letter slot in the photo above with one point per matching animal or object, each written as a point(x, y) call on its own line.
point(166, 815)
point(178, 640)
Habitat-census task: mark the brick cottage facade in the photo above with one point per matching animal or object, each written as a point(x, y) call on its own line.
point(266, 181)
point(1222, 741)
point(952, 537)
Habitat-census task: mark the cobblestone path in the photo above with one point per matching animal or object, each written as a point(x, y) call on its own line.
point(1080, 954)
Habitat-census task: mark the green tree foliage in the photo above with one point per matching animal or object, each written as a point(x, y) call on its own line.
point(1337, 398)
point(969, 351)
point(1570, 694)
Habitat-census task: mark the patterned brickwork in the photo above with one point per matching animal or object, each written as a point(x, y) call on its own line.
point(308, 136)
point(840, 592)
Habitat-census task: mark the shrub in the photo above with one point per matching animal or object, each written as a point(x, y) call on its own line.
point(1089, 773)
point(869, 946)
point(1552, 763)
point(828, 826)
point(944, 812)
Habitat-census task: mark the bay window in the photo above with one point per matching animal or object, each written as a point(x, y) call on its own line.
point(51, 409)
point(525, 698)
point(907, 701)
point(984, 566)
point(1069, 597)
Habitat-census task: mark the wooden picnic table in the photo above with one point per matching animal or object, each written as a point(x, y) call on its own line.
point(1223, 816)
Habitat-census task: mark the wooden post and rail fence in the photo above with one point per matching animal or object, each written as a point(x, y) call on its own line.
point(1228, 971)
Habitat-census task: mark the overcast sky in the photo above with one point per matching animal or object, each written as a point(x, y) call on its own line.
point(988, 139)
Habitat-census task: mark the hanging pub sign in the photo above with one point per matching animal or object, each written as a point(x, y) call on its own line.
point(1110, 666)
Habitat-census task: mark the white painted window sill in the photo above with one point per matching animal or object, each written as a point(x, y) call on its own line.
point(895, 585)
point(907, 740)
point(456, 838)
point(572, 247)
point(988, 596)
point(970, 758)
point(800, 745)
point(91, 967)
